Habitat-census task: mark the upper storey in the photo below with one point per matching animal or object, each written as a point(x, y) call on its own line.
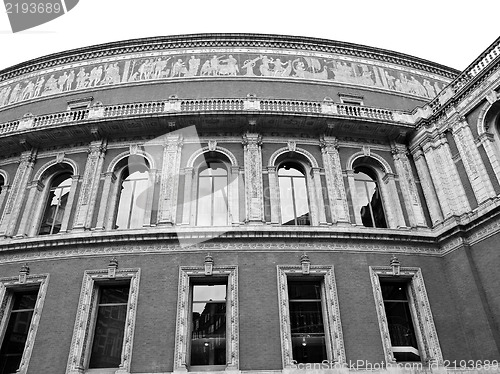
point(267, 66)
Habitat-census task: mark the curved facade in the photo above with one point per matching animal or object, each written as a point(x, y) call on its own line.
point(248, 203)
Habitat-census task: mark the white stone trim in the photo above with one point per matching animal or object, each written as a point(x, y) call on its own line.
point(85, 319)
point(199, 152)
point(308, 155)
point(5, 177)
point(331, 312)
point(387, 168)
point(182, 329)
point(49, 164)
point(121, 156)
point(13, 284)
point(425, 330)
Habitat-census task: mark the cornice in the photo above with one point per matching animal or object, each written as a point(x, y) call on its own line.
point(225, 40)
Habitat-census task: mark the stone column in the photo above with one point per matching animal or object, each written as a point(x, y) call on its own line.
point(33, 210)
point(15, 199)
point(427, 187)
point(169, 183)
point(104, 214)
point(391, 202)
point(152, 178)
point(253, 178)
point(274, 195)
point(90, 184)
point(318, 193)
point(408, 185)
point(474, 167)
point(492, 151)
point(352, 191)
point(188, 199)
point(233, 192)
point(3, 196)
point(334, 180)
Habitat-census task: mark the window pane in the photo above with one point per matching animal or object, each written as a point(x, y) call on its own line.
point(220, 201)
point(17, 331)
point(56, 205)
point(286, 200)
point(212, 208)
point(133, 198)
point(208, 337)
point(204, 202)
point(301, 201)
point(306, 322)
point(110, 326)
point(293, 196)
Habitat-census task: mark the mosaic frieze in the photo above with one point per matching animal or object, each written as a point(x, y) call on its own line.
point(189, 64)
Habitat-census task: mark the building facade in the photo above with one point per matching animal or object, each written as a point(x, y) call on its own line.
point(249, 204)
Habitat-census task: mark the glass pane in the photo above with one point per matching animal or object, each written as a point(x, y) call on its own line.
point(208, 344)
point(108, 336)
point(286, 200)
point(304, 290)
point(394, 291)
point(216, 292)
point(204, 202)
point(400, 324)
point(301, 201)
point(17, 331)
point(133, 200)
point(306, 317)
point(56, 204)
point(220, 201)
point(114, 294)
point(309, 348)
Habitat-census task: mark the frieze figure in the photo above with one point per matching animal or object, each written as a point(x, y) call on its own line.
point(14, 95)
point(178, 68)
point(4, 95)
point(61, 81)
point(194, 64)
point(70, 80)
point(28, 91)
point(81, 78)
point(95, 76)
point(249, 65)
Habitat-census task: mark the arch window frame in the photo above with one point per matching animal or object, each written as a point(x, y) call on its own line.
point(367, 170)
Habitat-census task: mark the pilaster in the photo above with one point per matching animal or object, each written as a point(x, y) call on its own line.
point(32, 211)
point(90, 184)
point(169, 182)
point(474, 167)
point(391, 203)
point(492, 151)
point(427, 187)
point(233, 191)
point(318, 192)
point(408, 186)
point(15, 199)
point(253, 177)
point(335, 186)
point(104, 214)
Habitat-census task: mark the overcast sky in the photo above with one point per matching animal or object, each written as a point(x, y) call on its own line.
point(451, 33)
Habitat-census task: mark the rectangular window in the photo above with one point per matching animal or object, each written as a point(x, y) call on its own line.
point(306, 321)
point(399, 320)
point(208, 333)
point(111, 314)
point(17, 330)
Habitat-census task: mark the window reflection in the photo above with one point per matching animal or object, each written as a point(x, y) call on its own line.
point(367, 199)
point(16, 334)
point(208, 336)
point(56, 205)
point(110, 326)
point(133, 199)
point(306, 321)
point(212, 209)
point(293, 196)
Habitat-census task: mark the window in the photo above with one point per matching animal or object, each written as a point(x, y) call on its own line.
point(351, 99)
point(306, 321)
point(293, 195)
point(399, 321)
point(105, 322)
point(133, 197)
point(111, 313)
point(55, 206)
point(208, 327)
point(212, 208)
point(311, 330)
point(208, 307)
point(367, 199)
point(16, 333)
point(404, 315)
point(21, 304)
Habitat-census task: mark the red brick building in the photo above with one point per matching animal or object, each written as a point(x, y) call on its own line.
point(248, 203)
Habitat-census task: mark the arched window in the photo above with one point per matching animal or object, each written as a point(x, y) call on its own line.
point(293, 195)
point(367, 200)
point(55, 206)
point(133, 196)
point(2, 183)
point(212, 207)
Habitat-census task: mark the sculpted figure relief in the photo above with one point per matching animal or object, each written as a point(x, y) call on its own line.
point(182, 66)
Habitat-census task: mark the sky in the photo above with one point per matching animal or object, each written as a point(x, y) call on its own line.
point(448, 32)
